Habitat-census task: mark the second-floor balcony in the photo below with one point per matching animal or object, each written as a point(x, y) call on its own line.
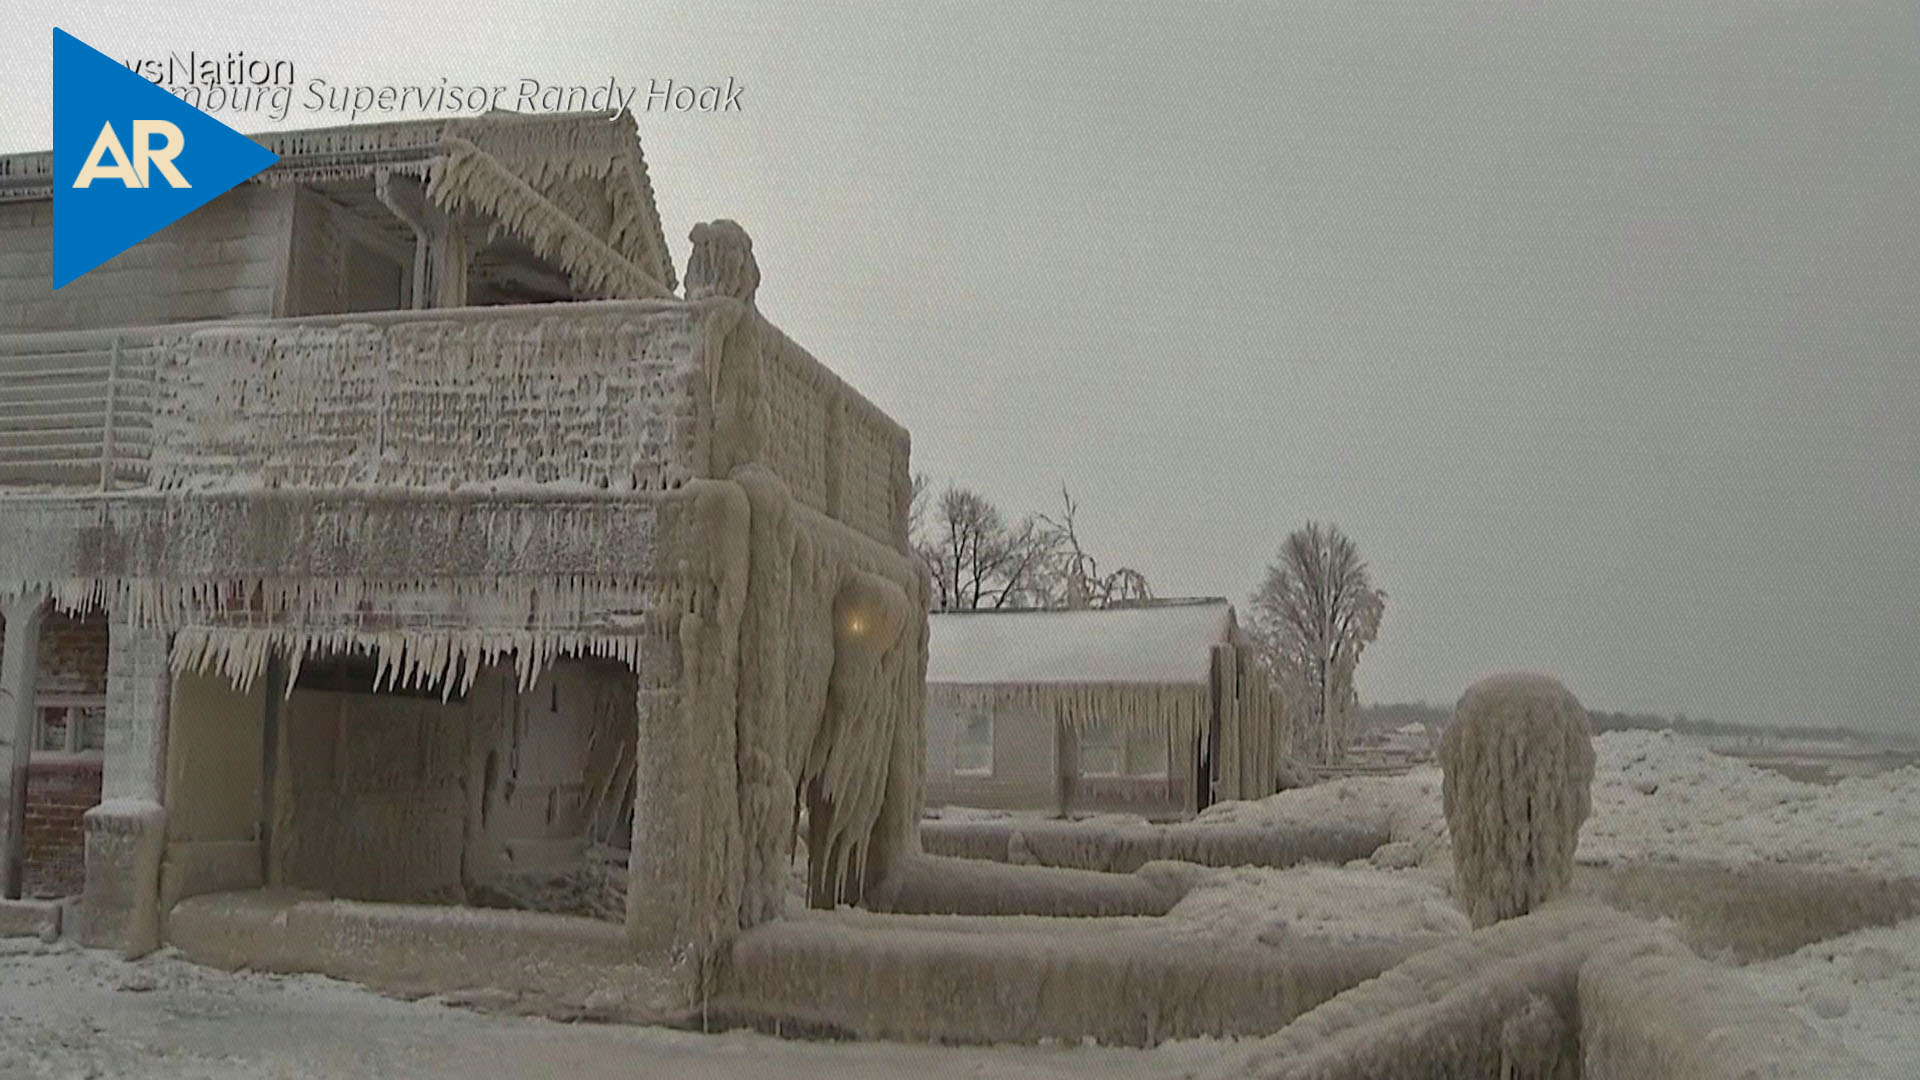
point(604, 396)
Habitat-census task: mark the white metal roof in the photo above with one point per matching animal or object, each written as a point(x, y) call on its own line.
point(1165, 642)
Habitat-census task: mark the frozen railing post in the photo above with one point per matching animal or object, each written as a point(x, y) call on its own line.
point(106, 424)
point(1517, 773)
point(722, 262)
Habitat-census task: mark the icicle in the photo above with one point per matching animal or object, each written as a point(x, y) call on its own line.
point(231, 626)
point(295, 657)
point(467, 177)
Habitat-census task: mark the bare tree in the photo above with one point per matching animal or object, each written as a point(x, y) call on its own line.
point(1313, 614)
point(1074, 578)
point(917, 508)
point(975, 558)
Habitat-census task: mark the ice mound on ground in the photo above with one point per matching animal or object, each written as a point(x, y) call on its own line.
point(1404, 808)
point(1661, 796)
point(1324, 903)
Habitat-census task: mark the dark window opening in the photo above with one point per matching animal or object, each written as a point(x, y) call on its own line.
point(357, 673)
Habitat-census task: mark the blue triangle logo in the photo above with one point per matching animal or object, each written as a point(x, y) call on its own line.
point(129, 158)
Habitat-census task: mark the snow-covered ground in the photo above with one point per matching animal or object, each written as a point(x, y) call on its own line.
point(1656, 797)
point(1864, 988)
point(74, 1013)
point(1662, 796)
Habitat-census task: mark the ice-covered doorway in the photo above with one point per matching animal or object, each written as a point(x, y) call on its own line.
point(495, 797)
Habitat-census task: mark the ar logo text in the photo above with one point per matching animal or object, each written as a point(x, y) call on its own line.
point(146, 156)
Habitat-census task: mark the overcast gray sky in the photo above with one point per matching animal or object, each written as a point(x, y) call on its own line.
point(1595, 324)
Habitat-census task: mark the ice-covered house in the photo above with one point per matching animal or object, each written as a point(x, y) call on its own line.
point(1151, 708)
point(443, 541)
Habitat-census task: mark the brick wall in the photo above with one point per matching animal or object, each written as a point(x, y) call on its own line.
point(61, 789)
point(73, 654)
point(59, 793)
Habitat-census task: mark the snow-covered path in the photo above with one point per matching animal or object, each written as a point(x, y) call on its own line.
point(68, 1012)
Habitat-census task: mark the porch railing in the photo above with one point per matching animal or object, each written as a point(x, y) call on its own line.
point(76, 409)
point(606, 395)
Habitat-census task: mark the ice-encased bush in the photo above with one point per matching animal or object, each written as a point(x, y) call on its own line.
point(1517, 764)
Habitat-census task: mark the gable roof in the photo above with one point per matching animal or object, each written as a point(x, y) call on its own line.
point(1156, 642)
point(558, 157)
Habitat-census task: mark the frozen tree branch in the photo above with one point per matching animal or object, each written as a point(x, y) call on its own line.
point(977, 559)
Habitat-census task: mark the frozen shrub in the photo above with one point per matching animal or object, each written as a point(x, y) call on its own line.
point(1517, 765)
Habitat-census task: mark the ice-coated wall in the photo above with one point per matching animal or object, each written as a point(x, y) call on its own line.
point(340, 261)
point(388, 797)
point(600, 397)
point(222, 261)
point(372, 803)
point(213, 788)
point(545, 765)
point(1023, 767)
point(1026, 760)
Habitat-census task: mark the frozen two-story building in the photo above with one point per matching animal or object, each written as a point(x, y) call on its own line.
point(430, 535)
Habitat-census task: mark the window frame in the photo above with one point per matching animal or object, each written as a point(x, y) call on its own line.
point(75, 706)
point(1119, 770)
point(967, 717)
point(1128, 765)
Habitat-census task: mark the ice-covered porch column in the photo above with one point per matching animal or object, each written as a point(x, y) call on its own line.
point(19, 666)
point(126, 833)
point(664, 850)
point(686, 868)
